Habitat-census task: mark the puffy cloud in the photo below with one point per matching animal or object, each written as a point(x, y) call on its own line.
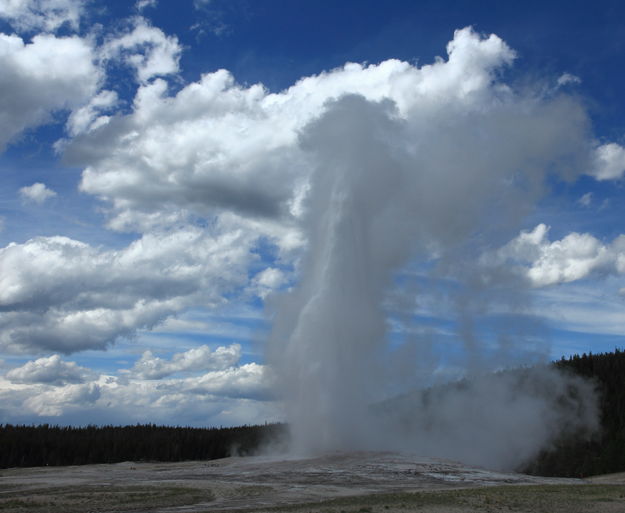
point(51, 371)
point(49, 74)
point(218, 145)
point(146, 49)
point(55, 401)
point(37, 192)
point(63, 295)
point(249, 380)
point(572, 258)
point(63, 73)
point(196, 359)
point(270, 277)
point(88, 117)
point(267, 281)
point(48, 15)
point(609, 162)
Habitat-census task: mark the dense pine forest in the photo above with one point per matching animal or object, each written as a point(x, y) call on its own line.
point(27, 446)
point(605, 452)
point(54, 445)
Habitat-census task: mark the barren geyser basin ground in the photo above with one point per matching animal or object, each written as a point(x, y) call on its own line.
point(349, 482)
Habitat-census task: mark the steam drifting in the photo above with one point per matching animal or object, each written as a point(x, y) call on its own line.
point(429, 167)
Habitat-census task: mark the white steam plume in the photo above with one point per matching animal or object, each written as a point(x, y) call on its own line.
point(437, 174)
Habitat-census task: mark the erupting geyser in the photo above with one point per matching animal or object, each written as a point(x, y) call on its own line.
point(432, 167)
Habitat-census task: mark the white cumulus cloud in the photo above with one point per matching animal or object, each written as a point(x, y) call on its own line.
point(63, 295)
point(609, 162)
point(196, 359)
point(40, 77)
point(90, 116)
point(55, 401)
point(267, 281)
point(249, 380)
point(218, 146)
point(574, 257)
point(51, 370)
point(145, 48)
point(37, 192)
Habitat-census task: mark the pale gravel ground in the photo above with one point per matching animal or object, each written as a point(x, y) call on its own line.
point(356, 482)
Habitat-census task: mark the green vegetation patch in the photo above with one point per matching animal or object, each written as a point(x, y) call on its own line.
point(96, 499)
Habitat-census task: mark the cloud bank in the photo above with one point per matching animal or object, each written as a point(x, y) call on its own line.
point(219, 388)
point(59, 294)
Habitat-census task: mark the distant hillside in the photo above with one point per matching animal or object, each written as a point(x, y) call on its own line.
point(28, 446)
point(605, 452)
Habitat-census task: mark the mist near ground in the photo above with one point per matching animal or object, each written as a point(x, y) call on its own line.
point(496, 420)
point(434, 174)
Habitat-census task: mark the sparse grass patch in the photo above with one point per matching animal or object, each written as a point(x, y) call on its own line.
point(519, 499)
point(102, 498)
point(509, 499)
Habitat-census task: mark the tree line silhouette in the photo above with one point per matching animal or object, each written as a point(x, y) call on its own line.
point(604, 452)
point(28, 446)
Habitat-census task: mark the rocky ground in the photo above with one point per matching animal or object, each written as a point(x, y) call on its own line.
point(335, 483)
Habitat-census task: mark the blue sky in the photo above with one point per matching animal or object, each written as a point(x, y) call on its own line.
point(154, 209)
